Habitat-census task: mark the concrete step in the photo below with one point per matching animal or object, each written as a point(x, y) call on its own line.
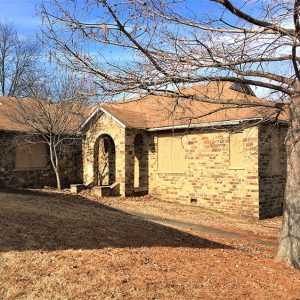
point(107, 190)
point(102, 191)
point(77, 188)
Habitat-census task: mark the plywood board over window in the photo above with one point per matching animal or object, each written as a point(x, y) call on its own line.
point(171, 154)
point(164, 153)
point(236, 150)
point(274, 162)
point(31, 156)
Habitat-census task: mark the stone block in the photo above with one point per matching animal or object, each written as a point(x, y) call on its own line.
point(115, 189)
point(102, 191)
point(76, 188)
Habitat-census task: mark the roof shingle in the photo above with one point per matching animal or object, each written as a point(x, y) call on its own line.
point(161, 111)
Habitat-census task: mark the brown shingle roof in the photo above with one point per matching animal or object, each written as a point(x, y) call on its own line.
point(128, 117)
point(159, 111)
point(10, 116)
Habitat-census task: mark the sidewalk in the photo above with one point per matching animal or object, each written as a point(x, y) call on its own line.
point(200, 228)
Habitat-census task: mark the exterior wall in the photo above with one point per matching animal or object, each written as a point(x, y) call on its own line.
point(131, 160)
point(104, 125)
point(208, 177)
point(125, 155)
point(71, 170)
point(272, 169)
point(105, 161)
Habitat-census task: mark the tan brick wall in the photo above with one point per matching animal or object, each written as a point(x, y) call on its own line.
point(131, 160)
point(272, 169)
point(208, 176)
point(245, 186)
point(126, 158)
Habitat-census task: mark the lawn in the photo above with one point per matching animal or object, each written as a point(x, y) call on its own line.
point(61, 246)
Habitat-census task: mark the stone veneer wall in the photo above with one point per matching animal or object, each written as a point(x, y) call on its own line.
point(131, 160)
point(272, 169)
point(124, 150)
point(104, 125)
point(208, 176)
point(71, 170)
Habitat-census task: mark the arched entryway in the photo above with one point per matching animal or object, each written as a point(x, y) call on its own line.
point(140, 165)
point(104, 161)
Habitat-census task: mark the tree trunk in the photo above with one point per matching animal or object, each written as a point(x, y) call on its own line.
point(54, 162)
point(58, 181)
point(57, 175)
point(289, 247)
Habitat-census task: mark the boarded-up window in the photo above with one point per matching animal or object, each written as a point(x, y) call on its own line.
point(31, 156)
point(164, 154)
point(274, 162)
point(178, 155)
point(236, 149)
point(171, 155)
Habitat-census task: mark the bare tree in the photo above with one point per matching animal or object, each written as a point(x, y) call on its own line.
point(53, 115)
point(18, 60)
point(170, 44)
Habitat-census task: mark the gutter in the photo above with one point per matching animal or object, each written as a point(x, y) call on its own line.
point(204, 125)
point(174, 127)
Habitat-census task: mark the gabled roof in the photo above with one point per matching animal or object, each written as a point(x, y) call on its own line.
point(152, 112)
point(130, 118)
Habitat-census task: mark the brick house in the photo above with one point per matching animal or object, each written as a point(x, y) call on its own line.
point(226, 158)
point(24, 156)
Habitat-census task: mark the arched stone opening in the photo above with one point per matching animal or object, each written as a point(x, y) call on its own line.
point(104, 161)
point(140, 165)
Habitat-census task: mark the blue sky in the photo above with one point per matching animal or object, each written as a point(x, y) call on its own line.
point(22, 13)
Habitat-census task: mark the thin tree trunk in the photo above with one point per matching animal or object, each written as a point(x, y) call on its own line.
point(289, 247)
point(54, 163)
point(58, 181)
point(57, 174)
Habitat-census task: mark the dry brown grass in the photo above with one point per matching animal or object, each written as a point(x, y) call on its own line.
point(268, 229)
point(59, 246)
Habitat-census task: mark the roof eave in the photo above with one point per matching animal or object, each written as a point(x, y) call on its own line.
point(113, 117)
point(209, 124)
point(101, 109)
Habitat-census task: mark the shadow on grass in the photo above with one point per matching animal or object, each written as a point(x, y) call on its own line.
point(36, 220)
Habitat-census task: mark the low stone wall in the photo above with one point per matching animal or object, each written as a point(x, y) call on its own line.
point(71, 166)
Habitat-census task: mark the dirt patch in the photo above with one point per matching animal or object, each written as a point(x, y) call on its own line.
point(60, 246)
